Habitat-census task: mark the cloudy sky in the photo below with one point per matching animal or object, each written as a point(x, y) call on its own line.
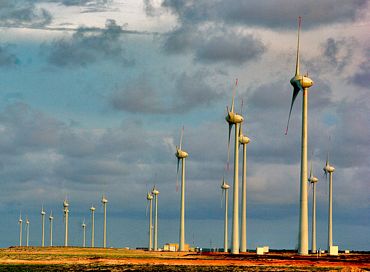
point(94, 94)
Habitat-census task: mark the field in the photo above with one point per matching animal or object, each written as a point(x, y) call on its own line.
point(98, 259)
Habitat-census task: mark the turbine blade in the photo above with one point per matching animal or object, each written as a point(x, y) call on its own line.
point(295, 93)
point(146, 209)
point(297, 60)
point(222, 197)
point(233, 96)
point(177, 175)
point(228, 146)
point(182, 134)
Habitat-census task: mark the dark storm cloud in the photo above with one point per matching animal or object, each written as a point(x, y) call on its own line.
point(233, 48)
point(7, 58)
point(214, 44)
point(362, 76)
point(86, 47)
point(23, 13)
point(276, 14)
point(191, 91)
point(338, 52)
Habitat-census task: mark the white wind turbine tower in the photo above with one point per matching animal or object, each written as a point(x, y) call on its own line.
point(225, 189)
point(42, 226)
point(233, 118)
point(104, 201)
point(149, 197)
point(329, 169)
point(155, 192)
point(20, 229)
point(27, 231)
point(302, 83)
point(66, 211)
point(92, 209)
point(84, 234)
point(51, 218)
point(313, 180)
point(181, 155)
point(244, 140)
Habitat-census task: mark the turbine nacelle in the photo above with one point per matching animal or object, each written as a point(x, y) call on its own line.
point(51, 218)
point(225, 186)
point(149, 196)
point(301, 82)
point(234, 118)
point(27, 222)
point(328, 168)
point(92, 208)
point(155, 191)
point(313, 179)
point(181, 154)
point(104, 200)
point(65, 204)
point(83, 225)
point(244, 139)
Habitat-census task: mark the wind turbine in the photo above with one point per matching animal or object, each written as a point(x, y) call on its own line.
point(181, 155)
point(84, 233)
point(313, 180)
point(233, 118)
point(225, 189)
point(66, 211)
point(51, 218)
point(155, 192)
point(20, 229)
point(92, 209)
point(104, 201)
point(244, 140)
point(42, 226)
point(329, 169)
point(149, 197)
point(27, 230)
point(302, 83)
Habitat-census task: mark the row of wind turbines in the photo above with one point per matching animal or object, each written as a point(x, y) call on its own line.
point(104, 201)
point(300, 83)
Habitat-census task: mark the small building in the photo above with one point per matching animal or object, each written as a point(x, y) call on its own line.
point(174, 247)
point(266, 249)
point(260, 250)
point(333, 251)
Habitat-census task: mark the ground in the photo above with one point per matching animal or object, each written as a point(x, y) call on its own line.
point(99, 259)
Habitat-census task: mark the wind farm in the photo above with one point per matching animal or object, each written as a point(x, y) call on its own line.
point(102, 100)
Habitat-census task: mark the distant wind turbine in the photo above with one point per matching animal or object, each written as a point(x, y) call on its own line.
point(51, 218)
point(66, 211)
point(42, 226)
point(104, 201)
point(302, 83)
point(155, 192)
point(225, 190)
point(233, 118)
point(27, 230)
point(92, 209)
point(149, 197)
point(329, 169)
point(20, 229)
point(313, 180)
point(244, 140)
point(181, 155)
point(84, 234)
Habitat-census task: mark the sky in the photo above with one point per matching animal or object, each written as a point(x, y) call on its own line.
point(94, 93)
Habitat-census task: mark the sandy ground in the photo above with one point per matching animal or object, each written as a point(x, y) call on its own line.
point(120, 257)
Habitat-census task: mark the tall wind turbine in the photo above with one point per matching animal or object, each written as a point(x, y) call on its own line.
point(155, 192)
point(42, 226)
point(302, 83)
point(233, 118)
point(66, 211)
point(92, 209)
point(27, 231)
point(149, 197)
point(104, 201)
point(225, 189)
point(244, 140)
point(20, 229)
point(84, 234)
point(181, 155)
point(313, 180)
point(329, 169)
point(51, 218)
